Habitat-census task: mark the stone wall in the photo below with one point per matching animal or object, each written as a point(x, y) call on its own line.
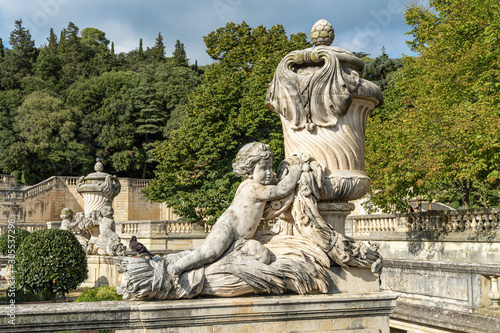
point(341, 313)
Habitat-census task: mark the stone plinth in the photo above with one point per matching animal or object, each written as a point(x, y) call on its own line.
point(366, 313)
point(103, 271)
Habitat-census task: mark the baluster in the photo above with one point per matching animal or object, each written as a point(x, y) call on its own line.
point(362, 225)
point(494, 294)
point(461, 223)
point(411, 223)
point(386, 224)
point(487, 223)
point(473, 222)
point(480, 223)
point(391, 224)
point(454, 223)
point(496, 223)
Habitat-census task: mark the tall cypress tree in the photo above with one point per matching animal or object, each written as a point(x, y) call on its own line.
point(140, 53)
point(158, 51)
point(2, 50)
point(52, 47)
point(180, 58)
point(23, 47)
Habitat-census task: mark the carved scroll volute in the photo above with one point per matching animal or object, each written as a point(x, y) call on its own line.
point(324, 105)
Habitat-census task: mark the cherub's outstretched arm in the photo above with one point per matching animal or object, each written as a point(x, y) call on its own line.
point(283, 188)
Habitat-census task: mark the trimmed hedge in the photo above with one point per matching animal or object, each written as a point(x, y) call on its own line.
point(17, 237)
point(50, 260)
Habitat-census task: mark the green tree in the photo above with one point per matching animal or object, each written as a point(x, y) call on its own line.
point(47, 137)
point(380, 69)
point(71, 55)
point(10, 100)
point(140, 53)
point(438, 134)
point(157, 52)
point(52, 46)
point(2, 49)
point(179, 57)
point(50, 260)
point(18, 61)
point(194, 175)
point(95, 47)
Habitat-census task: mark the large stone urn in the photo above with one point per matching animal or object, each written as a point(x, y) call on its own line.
point(98, 189)
point(324, 105)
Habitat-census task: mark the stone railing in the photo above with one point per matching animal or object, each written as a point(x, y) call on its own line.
point(139, 182)
point(40, 187)
point(152, 228)
point(70, 181)
point(31, 227)
point(457, 295)
point(12, 194)
point(453, 221)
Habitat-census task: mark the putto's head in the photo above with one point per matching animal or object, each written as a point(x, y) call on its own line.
point(248, 156)
point(66, 214)
point(107, 211)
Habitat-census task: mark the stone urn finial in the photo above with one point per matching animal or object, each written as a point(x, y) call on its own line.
point(322, 33)
point(98, 189)
point(98, 167)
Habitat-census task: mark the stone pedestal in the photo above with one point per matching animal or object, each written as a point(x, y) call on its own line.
point(103, 271)
point(335, 213)
point(340, 313)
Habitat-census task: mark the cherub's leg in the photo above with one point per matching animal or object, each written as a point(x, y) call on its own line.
point(216, 243)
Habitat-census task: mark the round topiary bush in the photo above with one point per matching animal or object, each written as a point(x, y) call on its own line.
point(14, 238)
point(50, 260)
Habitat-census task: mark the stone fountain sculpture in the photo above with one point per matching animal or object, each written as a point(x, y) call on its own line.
point(323, 104)
point(95, 227)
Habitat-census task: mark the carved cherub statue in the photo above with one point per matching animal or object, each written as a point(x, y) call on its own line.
point(108, 242)
point(67, 216)
point(254, 162)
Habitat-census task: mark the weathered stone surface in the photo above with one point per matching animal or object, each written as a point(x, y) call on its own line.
point(419, 318)
point(361, 313)
point(103, 271)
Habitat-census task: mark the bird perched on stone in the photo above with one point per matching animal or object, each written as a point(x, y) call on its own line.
point(139, 248)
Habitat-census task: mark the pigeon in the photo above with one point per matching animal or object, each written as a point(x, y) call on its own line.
point(138, 248)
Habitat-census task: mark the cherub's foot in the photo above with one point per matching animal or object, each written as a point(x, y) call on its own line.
point(174, 272)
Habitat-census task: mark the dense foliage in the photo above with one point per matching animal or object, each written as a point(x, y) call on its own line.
point(73, 99)
point(437, 135)
point(100, 294)
point(194, 175)
point(11, 239)
point(50, 260)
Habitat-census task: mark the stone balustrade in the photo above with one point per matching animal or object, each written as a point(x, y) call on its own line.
point(453, 221)
point(443, 266)
point(31, 227)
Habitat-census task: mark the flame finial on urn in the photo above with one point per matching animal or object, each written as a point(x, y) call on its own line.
point(322, 33)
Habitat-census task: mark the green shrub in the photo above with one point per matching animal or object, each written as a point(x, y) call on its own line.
point(16, 237)
point(23, 295)
point(106, 293)
point(50, 260)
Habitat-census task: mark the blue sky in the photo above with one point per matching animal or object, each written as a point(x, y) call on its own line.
point(360, 25)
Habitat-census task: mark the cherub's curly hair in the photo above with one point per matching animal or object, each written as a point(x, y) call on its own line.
point(248, 156)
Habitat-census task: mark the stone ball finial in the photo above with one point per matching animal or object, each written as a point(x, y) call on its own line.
point(98, 167)
point(322, 33)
